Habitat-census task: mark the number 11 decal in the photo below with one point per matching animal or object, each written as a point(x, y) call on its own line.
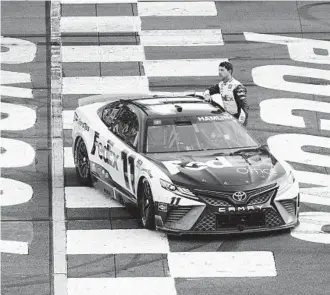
point(128, 163)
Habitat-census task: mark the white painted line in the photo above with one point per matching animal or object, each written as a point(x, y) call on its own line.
point(68, 158)
point(312, 199)
point(18, 51)
point(312, 177)
point(88, 197)
point(272, 77)
point(153, 68)
point(119, 241)
point(16, 153)
point(104, 53)
point(295, 46)
point(181, 37)
point(19, 117)
point(295, 153)
point(15, 91)
point(177, 9)
point(222, 264)
point(14, 247)
point(59, 268)
point(14, 192)
point(106, 85)
point(310, 227)
point(58, 224)
point(316, 195)
point(269, 109)
point(317, 191)
point(8, 77)
point(325, 124)
point(100, 24)
point(129, 1)
point(67, 119)
point(60, 284)
point(182, 67)
point(122, 286)
point(97, 1)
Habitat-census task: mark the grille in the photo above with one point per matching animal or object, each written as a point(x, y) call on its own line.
point(262, 198)
point(216, 194)
point(206, 195)
point(273, 219)
point(177, 213)
point(289, 206)
point(207, 223)
point(259, 190)
point(214, 202)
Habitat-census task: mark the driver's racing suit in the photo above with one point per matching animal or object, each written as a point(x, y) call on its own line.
point(233, 95)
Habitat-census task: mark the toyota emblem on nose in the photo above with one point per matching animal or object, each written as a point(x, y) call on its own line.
point(239, 196)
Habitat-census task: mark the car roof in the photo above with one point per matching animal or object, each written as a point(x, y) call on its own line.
point(164, 106)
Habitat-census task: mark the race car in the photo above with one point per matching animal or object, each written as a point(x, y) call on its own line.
point(188, 166)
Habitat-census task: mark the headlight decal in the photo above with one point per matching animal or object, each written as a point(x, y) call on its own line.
point(181, 191)
point(286, 183)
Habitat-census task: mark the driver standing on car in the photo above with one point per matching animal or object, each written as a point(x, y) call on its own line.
point(233, 93)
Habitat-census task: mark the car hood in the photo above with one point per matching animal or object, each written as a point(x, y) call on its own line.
point(214, 170)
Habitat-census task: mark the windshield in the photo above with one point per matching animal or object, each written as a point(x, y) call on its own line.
point(194, 134)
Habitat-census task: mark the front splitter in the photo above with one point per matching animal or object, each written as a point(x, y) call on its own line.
point(176, 232)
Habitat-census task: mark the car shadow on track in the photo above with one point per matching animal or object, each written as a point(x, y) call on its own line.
point(230, 237)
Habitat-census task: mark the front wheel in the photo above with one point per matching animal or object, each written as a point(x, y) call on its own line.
point(147, 206)
point(82, 164)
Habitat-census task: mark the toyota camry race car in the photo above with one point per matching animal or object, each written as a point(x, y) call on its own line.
point(189, 167)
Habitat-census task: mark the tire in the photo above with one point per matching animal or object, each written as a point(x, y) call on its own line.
point(147, 206)
point(82, 164)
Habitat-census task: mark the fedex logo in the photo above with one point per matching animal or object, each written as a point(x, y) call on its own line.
point(104, 151)
point(218, 162)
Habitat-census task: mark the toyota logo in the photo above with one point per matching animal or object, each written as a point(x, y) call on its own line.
point(239, 196)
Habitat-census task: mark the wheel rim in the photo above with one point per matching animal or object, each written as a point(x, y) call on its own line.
point(145, 203)
point(82, 160)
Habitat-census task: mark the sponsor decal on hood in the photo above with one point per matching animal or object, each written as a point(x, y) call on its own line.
point(210, 170)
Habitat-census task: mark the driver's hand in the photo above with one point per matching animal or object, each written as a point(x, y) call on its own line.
point(242, 117)
point(207, 97)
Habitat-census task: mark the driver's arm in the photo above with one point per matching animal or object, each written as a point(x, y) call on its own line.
point(240, 95)
point(212, 90)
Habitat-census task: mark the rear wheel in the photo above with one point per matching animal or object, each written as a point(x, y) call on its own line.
point(147, 206)
point(82, 164)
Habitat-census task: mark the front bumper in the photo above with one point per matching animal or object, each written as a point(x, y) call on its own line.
point(226, 232)
point(216, 216)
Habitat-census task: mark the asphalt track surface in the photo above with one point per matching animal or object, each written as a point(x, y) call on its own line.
point(302, 267)
point(29, 222)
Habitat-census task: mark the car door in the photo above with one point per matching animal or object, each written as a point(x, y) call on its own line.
point(127, 129)
point(104, 161)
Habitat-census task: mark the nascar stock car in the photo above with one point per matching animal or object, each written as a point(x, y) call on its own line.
point(188, 166)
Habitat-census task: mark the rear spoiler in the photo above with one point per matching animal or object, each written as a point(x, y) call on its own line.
point(114, 97)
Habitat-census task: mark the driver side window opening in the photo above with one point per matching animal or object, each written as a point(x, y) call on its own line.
point(109, 113)
point(127, 127)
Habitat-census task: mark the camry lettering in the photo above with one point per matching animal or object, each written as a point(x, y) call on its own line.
point(240, 208)
point(104, 152)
